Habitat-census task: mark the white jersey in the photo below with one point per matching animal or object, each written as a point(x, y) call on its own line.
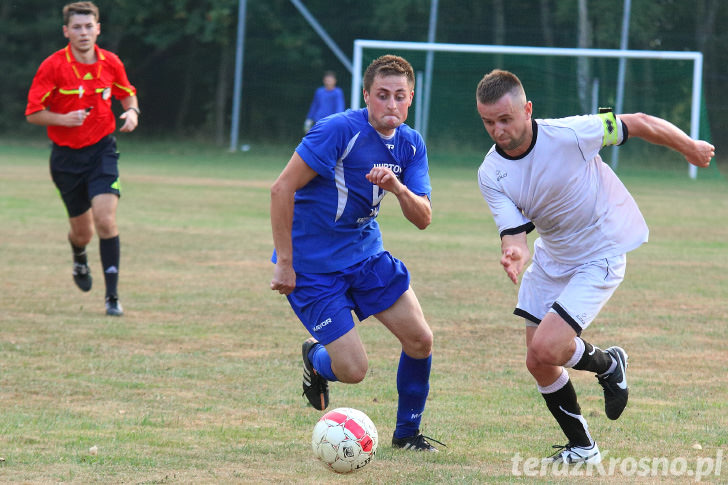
point(578, 205)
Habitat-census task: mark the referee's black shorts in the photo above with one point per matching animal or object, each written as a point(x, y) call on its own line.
point(81, 174)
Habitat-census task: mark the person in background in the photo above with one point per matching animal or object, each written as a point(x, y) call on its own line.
point(71, 96)
point(327, 100)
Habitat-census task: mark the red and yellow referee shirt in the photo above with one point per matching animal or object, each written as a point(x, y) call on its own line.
point(63, 84)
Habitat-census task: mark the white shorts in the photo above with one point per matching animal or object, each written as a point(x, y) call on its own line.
point(575, 293)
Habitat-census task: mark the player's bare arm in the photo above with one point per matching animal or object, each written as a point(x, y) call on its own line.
point(130, 114)
point(662, 132)
point(416, 208)
point(49, 118)
point(514, 255)
point(294, 176)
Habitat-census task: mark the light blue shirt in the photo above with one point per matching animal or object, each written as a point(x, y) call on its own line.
point(326, 102)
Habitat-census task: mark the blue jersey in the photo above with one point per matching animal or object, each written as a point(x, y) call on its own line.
point(326, 102)
point(334, 218)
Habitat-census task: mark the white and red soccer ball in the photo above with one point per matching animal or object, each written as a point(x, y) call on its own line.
point(345, 440)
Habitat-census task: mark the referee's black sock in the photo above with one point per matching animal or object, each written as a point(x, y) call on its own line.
point(79, 253)
point(561, 400)
point(110, 250)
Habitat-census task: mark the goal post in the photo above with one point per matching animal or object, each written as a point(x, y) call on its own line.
point(695, 57)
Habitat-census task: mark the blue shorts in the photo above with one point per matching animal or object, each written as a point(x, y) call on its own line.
point(81, 174)
point(323, 302)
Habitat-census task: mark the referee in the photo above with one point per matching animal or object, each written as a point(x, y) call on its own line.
point(71, 96)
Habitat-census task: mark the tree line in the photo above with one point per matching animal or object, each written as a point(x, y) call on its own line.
point(180, 53)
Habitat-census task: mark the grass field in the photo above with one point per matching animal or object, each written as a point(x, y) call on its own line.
point(200, 381)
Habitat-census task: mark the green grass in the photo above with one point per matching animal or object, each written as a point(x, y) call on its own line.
point(200, 381)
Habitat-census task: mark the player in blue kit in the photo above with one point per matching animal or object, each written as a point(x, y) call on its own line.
point(329, 258)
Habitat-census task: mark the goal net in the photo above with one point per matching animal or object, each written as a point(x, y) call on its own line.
point(560, 82)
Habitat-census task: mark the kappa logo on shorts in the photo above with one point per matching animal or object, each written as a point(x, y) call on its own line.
point(321, 325)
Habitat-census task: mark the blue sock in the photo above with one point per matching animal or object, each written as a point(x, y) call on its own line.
point(413, 385)
point(321, 362)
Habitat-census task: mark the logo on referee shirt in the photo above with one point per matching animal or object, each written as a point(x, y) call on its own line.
point(500, 175)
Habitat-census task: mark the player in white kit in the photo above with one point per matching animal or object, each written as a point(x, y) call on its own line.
point(546, 174)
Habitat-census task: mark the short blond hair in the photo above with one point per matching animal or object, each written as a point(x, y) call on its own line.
point(80, 8)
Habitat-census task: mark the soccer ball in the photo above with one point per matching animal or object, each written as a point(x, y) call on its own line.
point(345, 440)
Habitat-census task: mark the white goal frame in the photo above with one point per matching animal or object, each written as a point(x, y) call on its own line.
point(696, 57)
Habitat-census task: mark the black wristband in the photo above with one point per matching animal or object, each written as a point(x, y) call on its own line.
point(134, 109)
